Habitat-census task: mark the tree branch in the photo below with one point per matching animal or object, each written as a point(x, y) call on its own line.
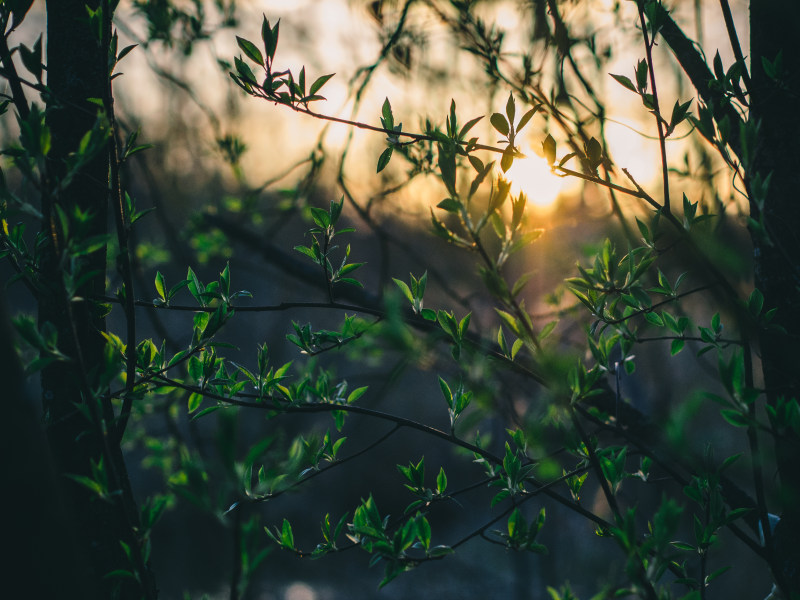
point(695, 67)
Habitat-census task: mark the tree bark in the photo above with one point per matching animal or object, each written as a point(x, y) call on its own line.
point(774, 107)
point(41, 525)
point(79, 423)
point(776, 155)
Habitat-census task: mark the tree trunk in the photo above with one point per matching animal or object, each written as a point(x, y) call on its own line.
point(80, 425)
point(774, 107)
point(41, 526)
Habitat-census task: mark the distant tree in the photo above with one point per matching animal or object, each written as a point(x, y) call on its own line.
point(580, 437)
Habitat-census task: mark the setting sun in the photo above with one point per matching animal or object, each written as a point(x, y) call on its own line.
point(532, 175)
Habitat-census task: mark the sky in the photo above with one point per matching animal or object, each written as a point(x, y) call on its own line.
point(338, 36)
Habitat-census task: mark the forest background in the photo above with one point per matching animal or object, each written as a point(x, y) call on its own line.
point(623, 411)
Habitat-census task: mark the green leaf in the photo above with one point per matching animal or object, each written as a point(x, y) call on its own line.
point(245, 72)
point(88, 483)
point(194, 402)
point(422, 283)
point(125, 51)
point(307, 251)
point(32, 59)
point(404, 289)
point(320, 81)
point(711, 577)
point(356, 394)
point(526, 117)
point(625, 81)
point(450, 205)
point(641, 75)
point(507, 158)
point(463, 325)
point(549, 149)
point(755, 303)
point(287, 537)
point(683, 546)
point(499, 122)
point(547, 330)
point(501, 341)
point(384, 158)
point(351, 281)
point(301, 83)
point(644, 230)
point(269, 36)
point(321, 217)
point(719, 71)
point(388, 118)
point(469, 125)
point(161, 286)
point(441, 481)
point(735, 418)
point(446, 392)
point(250, 50)
point(654, 319)
point(195, 287)
point(476, 163)
point(438, 551)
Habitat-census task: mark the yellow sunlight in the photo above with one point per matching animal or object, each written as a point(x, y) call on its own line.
point(532, 175)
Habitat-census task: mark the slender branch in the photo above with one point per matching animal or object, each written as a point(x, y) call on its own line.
point(416, 137)
point(160, 373)
point(695, 67)
point(734, 38)
point(11, 75)
point(636, 430)
point(120, 218)
point(236, 571)
point(512, 302)
point(273, 403)
point(661, 138)
point(752, 439)
point(658, 304)
point(472, 340)
point(595, 461)
point(407, 249)
point(283, 306)
point(17, 259)
point(541, 489)
point(688, 338)
point(611, 499)
point(704, 552)
point(338, 463)
point(637, 193)
point(325, 263)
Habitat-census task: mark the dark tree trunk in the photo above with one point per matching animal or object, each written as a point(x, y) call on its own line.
point(80, 427)
point(774, 106)
point(41, 525)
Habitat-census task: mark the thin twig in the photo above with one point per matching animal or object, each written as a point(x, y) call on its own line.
point(11, 75)
point(752, 439)
point(117, 199)
point(734, 38)
point(333, 465)
point(661, 137)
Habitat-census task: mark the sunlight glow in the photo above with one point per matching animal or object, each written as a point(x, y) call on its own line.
point(532, 175)
point(630, 150)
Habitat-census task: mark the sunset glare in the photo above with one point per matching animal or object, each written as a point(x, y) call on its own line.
point(532, 175)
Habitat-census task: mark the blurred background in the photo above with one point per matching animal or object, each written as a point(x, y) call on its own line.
point(232, 179)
